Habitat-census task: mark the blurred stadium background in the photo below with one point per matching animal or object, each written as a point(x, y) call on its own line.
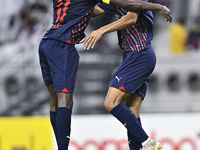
point(173, 95)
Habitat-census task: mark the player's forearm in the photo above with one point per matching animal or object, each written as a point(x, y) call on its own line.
point(135, 5)
point(96, 35)
point(120, 24)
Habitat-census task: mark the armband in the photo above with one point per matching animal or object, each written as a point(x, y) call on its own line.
point(106, 1)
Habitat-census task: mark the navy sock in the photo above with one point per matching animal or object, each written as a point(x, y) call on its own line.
point(63, 122)
point(53, 123)
point(134, 143)
point(128, 119)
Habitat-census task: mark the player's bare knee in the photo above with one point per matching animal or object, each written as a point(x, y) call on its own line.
point(106, 106)
point(109, 105)
point(65, 100)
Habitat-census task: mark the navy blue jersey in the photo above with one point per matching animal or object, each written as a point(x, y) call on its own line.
point(70, 19)
point(138, 36)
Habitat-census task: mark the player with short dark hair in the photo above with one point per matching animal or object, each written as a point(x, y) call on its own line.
point(59, 58)
point(129, 84)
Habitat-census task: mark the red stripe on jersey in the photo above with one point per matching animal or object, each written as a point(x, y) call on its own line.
point(82, 21)
point(144, 33)
point(127, 44)
point(136, 38)
point(141, 38)
point(64, 10)
point(75, 28)
point(131, 42)
point(143, 27)
point(127, 41)
point(59, 10)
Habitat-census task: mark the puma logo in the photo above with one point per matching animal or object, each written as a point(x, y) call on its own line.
point(68, 137)
point(118, 79)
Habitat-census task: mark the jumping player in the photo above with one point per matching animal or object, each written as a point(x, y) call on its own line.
point(129, 84)
point(59, 58)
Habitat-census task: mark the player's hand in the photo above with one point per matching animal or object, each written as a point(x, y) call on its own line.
point(92, 39)
point(166, 13)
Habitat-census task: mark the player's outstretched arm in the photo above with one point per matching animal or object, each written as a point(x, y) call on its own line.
point(137, 5)
point(122, 23)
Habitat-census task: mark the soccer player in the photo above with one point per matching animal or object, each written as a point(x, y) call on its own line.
point(59, 58)
point(129, 84)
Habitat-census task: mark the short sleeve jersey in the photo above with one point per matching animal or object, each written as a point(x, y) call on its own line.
point(70, 18)
point(136, 37)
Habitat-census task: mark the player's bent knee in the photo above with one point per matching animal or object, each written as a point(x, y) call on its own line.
point(106, 106)
point(113, 98)
point(109, 105)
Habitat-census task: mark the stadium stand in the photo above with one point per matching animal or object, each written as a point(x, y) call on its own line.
point(174, 86)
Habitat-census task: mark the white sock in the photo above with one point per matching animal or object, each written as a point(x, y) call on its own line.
point(145, 142)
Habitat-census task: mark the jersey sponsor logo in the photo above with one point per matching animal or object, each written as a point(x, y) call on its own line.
point(55, 26)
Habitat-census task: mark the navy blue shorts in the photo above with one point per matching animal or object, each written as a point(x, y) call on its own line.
point(134, 72)
point(59, 64)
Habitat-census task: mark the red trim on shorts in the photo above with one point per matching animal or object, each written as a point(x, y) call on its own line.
point(122, 88)
point(65, 90)
point(75, 79)
point(68, 41)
